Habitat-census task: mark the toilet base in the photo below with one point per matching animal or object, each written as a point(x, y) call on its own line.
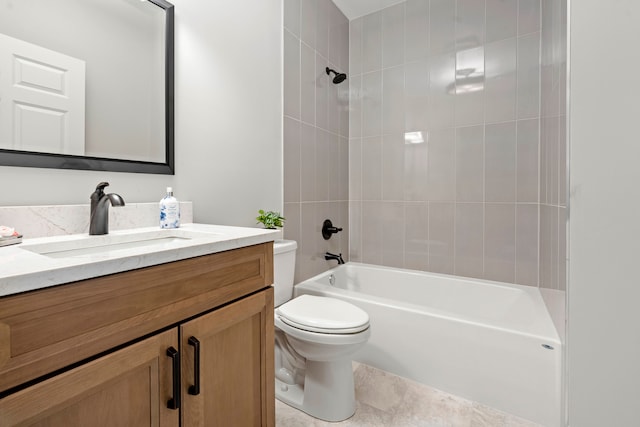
point(328, 391)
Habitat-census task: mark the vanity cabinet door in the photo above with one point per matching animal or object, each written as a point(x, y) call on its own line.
point(233, 383)
point(130, 387)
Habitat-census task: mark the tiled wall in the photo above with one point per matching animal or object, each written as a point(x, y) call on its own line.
point(553, 146)
point(553, 161)
point(316, 126)
point(444, 134)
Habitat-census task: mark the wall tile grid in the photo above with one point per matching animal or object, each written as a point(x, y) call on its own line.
point(443, 138)
point(553, 146)
point(316, 127)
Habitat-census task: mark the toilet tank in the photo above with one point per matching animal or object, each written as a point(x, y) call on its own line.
point(284, 265)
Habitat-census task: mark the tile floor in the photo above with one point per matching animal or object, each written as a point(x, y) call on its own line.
point(384, 399)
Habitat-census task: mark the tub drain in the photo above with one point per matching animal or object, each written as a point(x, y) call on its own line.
point(547, 346)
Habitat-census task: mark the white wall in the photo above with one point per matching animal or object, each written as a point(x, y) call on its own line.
point(604, 240)
point(228, 122)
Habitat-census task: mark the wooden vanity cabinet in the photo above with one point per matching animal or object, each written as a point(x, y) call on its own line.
point(125, 388)
point(216, 357)
point(235, 384)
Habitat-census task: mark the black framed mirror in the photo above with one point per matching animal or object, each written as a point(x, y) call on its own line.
point(125, 51)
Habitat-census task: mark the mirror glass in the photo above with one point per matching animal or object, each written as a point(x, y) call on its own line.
point(87, 84)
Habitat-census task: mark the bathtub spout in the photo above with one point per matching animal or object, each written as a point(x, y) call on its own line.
point(328, 256)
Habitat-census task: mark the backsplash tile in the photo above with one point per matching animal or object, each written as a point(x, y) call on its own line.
point(371, 42)
point(470, 24)
point(292, 16)
point(528, 85)
point(442, 20)
point(502, 19)
point(527, 238)
point(442, 80)
point(416, 40)
point(372, 168)
point(393, 81)
point(441, 169)
point(469, 239)
point(469, 86)
point(308, 22)
point(57, 220)
point(372, 103)
point(355, 47)
point(500, 242)
point(470, 152)
point(416, 231)
point(500, 162)
point(393, 35)
point(528, 16)
point(393, 167)
point(441, 237)
point(291, 83)
point(500, 86)
point(308, 73)
point(291, 163)
point(527, 160)
point(416, 96)
point(322, 28)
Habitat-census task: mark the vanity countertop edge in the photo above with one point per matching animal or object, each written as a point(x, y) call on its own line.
point(22, 270)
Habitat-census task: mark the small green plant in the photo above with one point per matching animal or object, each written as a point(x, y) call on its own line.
point(270, 219)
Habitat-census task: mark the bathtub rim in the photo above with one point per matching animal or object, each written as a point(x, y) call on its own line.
point(550, 336)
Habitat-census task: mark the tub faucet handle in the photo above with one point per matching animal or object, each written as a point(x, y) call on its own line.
point(328, 229)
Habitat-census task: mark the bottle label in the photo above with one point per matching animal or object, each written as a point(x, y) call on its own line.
point(169, 214)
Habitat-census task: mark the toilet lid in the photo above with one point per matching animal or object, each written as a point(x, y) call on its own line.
point(323, 314)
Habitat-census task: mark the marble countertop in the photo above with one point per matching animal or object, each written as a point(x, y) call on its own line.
point(23, 269)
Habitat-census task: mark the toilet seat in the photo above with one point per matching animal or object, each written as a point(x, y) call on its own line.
point(323, 315)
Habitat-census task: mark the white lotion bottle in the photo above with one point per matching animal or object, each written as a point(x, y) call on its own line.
point(169, 211)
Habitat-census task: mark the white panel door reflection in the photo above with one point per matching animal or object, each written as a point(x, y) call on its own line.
point(42, 99)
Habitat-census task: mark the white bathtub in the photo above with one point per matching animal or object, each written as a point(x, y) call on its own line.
point(485, 341)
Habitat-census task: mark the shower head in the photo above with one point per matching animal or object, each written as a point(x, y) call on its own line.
point(339, 77)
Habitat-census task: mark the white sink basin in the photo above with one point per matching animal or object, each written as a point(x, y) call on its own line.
point(107, 244)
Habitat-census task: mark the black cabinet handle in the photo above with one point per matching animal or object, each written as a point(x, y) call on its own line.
point(195, 388)
point(174, 402)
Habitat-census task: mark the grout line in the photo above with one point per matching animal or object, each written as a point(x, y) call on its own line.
point(515, 209)
point(540, 107)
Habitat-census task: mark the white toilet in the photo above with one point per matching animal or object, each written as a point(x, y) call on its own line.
point(315, 338)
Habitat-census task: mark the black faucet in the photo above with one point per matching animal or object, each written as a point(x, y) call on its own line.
point(99, 217)
point(329, 255)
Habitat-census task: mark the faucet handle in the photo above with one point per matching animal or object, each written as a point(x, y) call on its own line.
point(100, 187)
point(97, 195)
point(328, 229)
